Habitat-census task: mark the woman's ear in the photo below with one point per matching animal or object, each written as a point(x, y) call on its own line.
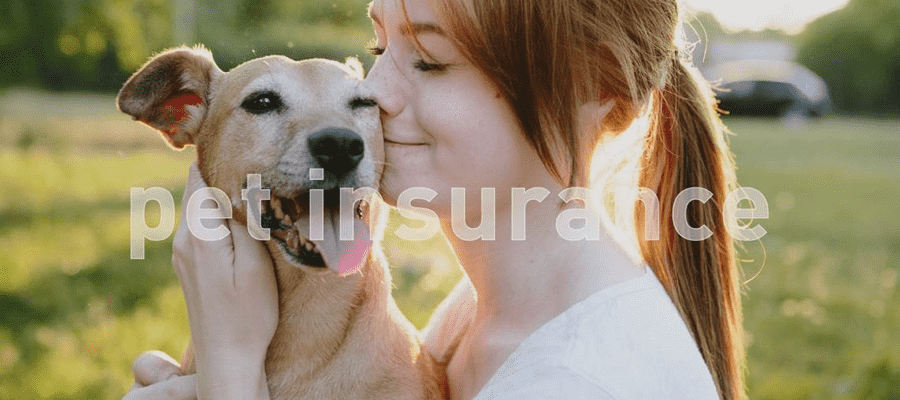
point(592, 114)
point(166, 90)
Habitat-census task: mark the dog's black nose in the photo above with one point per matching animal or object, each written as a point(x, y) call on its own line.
point(336, 150)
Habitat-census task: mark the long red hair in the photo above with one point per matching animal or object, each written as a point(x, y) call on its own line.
point(549, 57)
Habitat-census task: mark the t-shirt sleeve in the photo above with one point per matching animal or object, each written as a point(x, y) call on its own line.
point(558, 384)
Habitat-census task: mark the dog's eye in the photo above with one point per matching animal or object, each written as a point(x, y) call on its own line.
point(262, 102)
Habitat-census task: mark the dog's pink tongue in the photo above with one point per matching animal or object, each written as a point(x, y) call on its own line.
point(344, 256)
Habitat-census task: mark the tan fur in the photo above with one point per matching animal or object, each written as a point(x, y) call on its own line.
point(337, 337)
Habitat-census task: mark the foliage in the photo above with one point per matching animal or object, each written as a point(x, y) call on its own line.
point(95, 45)
point(856, 50)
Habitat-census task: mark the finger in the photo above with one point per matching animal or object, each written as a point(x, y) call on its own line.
point(153, 367)
point(251, 257)
point(194, 187)
point(177, 388)
point(188, 234)
point(209, 241)
point(245, 246)
point(194, 182)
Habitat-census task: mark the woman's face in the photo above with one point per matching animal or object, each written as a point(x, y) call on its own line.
point(445, 124)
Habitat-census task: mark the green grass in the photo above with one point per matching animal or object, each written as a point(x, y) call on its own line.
point(821, 310)
point(821, 313)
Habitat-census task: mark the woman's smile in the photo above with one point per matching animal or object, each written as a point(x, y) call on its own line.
point(389, 142)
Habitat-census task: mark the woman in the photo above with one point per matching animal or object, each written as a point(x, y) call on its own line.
point(518, 94)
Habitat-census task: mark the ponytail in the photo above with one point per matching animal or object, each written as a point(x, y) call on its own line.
point(686, 148)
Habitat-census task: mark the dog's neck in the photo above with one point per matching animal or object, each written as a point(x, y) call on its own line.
point(320, 314)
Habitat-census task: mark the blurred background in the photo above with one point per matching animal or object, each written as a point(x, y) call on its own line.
point(812, 88)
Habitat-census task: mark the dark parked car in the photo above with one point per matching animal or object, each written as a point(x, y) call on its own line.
point(775, 88)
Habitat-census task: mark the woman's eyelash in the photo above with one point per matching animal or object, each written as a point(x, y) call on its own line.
point(425, 66)
point(419, 64)
point(375, 50)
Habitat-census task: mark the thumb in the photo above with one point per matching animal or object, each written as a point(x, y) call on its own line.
point(176, 388)
point(154, 367)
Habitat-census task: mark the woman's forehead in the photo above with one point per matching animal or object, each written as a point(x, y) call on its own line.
point(392, 11)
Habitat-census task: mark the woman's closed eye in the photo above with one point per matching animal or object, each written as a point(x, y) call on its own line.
point(419, 63)
point(426, 66)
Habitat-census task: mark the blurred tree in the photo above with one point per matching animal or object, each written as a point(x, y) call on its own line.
point(95, 44)
point(184, 21)
point(137, 27)
point(253, 13)
point(77, 44)
point(856, 50)
point(28, 29)
point(338, 12)
point(881, 380)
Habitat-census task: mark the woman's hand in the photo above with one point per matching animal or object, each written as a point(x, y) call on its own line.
point(232, 301)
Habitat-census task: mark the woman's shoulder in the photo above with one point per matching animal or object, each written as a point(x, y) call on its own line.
point(625, 342)
point(638, 336)
point(449, 321)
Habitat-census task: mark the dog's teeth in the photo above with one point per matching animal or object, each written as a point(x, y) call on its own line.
point(276, 205)
point(292, 241)
point(308, 245)
point(361, 208)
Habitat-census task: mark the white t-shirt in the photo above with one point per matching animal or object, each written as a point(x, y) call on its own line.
point(624, 342)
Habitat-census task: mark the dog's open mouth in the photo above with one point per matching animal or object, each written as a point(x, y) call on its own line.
point(289, 222)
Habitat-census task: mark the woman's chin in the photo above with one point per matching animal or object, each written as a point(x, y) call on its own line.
point(415, 193)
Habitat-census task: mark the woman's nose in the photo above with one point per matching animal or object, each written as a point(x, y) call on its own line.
point(388, 85)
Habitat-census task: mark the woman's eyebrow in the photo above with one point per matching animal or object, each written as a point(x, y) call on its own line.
point(421, 28)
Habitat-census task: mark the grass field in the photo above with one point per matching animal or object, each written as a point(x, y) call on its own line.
point(821, 305)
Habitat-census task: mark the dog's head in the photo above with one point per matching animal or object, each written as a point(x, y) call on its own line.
point(282, 119)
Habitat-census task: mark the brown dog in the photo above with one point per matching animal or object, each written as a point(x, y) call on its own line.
point(338, 337)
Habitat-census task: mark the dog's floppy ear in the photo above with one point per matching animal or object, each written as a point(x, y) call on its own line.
point(171, 92)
